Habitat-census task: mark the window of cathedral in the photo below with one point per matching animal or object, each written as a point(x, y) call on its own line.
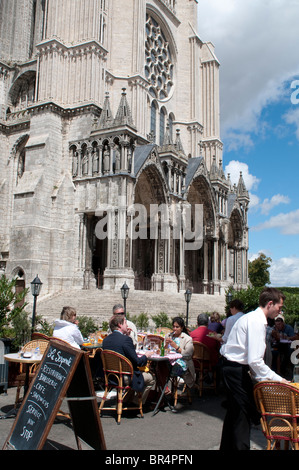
point(158, 60)
point(162, 125)
point(154, 118)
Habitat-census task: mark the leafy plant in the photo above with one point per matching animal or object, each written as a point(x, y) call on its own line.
point(87, 325)
point(105, 325)
point(43, 326)
point(140, 321)
point(11, 303)
point(249, 297)
point(22, 329)
point(161, 320)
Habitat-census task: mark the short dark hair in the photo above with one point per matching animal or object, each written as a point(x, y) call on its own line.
point(269, 294)
point(115, 321)
point(238, 304)
point(118, 307)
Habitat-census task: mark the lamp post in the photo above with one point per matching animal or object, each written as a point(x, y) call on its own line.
point(188, 295)
point(125, 294)
point(229, 297)
point(36, 286)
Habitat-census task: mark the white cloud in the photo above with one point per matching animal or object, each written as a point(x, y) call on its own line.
point(254, 201)
point(292, 117)
point(256, 44)
point(234, 168)
point(267, 205)
point(254, 256)
point(288, 224)
point(285, 272)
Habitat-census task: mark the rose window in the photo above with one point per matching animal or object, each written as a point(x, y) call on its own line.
point(159, 65)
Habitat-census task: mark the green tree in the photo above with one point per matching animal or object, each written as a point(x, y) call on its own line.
point(11, 303)
point(258, 271)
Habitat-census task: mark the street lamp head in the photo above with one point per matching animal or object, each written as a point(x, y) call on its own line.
point(229, 297)
point(36, 286)
point(188, 295)
point(125, 291)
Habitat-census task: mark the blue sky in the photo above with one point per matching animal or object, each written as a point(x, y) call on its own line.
point(257, 44)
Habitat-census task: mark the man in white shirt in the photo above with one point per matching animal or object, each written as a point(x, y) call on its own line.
point(243, 353)
point(118, 309)
point(236, 309)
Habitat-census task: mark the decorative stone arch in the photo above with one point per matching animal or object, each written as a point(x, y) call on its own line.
point(18, 273)
point(22, 91)
point(18, 153)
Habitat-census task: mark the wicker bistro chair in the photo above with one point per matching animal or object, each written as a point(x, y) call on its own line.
point(118, 373)
point(174, 389)
point(278, 404)
point(21, 377)
point(38, 336)
point(202, 364)
point(152, 338)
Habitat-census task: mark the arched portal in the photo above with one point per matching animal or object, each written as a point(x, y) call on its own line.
point(200, 264)
point(149, 248)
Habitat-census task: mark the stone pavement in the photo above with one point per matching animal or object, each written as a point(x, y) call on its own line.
point(192, 427)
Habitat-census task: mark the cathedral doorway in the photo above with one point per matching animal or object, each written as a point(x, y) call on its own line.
point(98, 250)
point(199, 263)
point(146, 250)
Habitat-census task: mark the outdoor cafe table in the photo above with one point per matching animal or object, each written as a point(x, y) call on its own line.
point(16, 357)
point(162, 374)
point(91, 346)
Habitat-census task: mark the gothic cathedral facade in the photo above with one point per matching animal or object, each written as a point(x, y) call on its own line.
point(109, 143)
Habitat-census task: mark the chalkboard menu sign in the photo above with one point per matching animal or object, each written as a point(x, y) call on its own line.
point(63, 371)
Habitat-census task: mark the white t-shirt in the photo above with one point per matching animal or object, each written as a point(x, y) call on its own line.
point(68, 332)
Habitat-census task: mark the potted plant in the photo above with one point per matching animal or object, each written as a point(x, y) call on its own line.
point(14, 322)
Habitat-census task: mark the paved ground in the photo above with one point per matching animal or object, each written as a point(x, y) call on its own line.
point(191, 428)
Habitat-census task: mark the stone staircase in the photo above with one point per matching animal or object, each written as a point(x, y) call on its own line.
point(98, 304)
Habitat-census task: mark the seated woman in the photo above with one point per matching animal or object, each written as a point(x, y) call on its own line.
point(215, 323)
point(66, 328)
point(183, 344)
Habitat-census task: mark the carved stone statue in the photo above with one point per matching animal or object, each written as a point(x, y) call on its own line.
point(106, 159)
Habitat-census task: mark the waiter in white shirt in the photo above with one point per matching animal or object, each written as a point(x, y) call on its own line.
point(243, 353)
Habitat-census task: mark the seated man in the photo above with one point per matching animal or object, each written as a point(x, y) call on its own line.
point(281, 347)
point(201, 334)
point(118, 309)
point(120, 342)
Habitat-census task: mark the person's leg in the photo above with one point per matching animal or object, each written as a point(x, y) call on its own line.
point(236, 426)
point(149, 383)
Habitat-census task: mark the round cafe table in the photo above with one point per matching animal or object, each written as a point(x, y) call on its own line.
point(162, 366)
point(16, 357)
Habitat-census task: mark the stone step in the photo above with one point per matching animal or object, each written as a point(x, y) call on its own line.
point(98, 304)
